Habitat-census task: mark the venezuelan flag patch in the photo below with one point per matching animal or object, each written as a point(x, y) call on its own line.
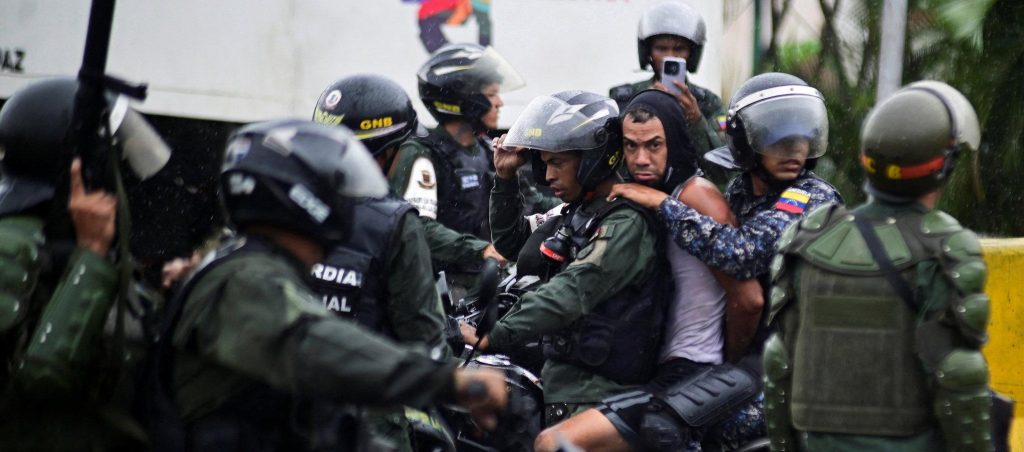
point(793, 201)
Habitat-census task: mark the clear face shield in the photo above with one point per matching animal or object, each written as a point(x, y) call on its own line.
point(789, 122)
point(551, 124)
point(488, 66)
point(144, 150)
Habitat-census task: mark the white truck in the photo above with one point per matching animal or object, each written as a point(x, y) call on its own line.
point(248, 60)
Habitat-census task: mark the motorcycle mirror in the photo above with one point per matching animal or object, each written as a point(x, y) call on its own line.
point(444, 293)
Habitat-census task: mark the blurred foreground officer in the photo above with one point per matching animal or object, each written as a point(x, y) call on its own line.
point(58, 278)
point(255, 347)
point(881, 310)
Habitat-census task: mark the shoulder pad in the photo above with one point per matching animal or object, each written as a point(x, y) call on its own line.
point(821, 216)
point(938, 222)
point(962, 245)
point(21, 240)
point(840, 247)
point(786, 239)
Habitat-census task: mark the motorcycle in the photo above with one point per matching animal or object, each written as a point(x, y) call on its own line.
point(450, 428)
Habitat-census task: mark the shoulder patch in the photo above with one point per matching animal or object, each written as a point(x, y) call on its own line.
point(793, 200)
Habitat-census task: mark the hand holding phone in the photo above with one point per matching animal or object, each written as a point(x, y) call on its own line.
point(673, 68)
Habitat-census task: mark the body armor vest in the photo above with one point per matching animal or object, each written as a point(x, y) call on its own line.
point(855, 331)
point(352, 279)
point(463, 184)
point(620, 339)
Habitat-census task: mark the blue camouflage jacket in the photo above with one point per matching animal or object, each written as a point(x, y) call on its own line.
point(746, 251)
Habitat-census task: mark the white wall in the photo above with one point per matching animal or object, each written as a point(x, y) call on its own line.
point(245, 60)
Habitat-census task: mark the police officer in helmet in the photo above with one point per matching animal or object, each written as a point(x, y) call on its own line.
point(881, 311)
point(59, 279)
point(254, 344)
point(446, 173)
point(599, 312)
point(677, 30)
point(380, 275)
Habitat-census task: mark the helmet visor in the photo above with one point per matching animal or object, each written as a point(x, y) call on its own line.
point(553, 125)
point(791, 126)
point(487, 67)
point(141, 146)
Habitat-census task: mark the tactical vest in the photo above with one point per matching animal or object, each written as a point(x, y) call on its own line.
point(463, 184)
point(621, 337)
point(856, 369)
point(352, 279)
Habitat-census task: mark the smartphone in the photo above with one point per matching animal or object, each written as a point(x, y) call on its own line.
point(673, 68)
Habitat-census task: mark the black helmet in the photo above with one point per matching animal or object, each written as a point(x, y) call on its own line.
point(675, 19)
point(297, 175)
point(36, 141)
point(376, 109)
point(571, 121)
point(910, 142)
point(450, 82)
point(765, 110)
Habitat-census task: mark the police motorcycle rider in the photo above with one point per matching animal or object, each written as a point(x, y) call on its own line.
point(247, 343)
point(677, 30)
point(660, 154)
point(777, 127)
point(896, 287)
point(380, 275)
point(62, 331)
point(600, 310)
point(445, 173)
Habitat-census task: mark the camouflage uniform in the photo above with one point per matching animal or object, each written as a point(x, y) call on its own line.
point(745, 252)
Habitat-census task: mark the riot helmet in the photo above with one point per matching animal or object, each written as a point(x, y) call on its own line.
point(450, 82)
point(37, 141)
point(299, 176)
point(375, 109)
point(571, 121)
point(910, 142)
point(768, 112)
point(675, 19)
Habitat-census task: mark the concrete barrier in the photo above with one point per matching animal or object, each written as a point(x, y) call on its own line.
point(1005, 348)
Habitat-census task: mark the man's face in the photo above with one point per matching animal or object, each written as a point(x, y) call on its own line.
point(645, 149)
point(668, 45)
point(490, 119)
point(561, 174)
point(784, 160)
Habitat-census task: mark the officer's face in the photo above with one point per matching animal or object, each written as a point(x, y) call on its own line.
point(644, 147)
point(785, 159)
point(668, 45)
point(561, 174)
point(490, 119)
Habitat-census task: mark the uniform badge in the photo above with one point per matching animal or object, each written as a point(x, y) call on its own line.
point(332, 100)
point(426, 180)
point(793, 201)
